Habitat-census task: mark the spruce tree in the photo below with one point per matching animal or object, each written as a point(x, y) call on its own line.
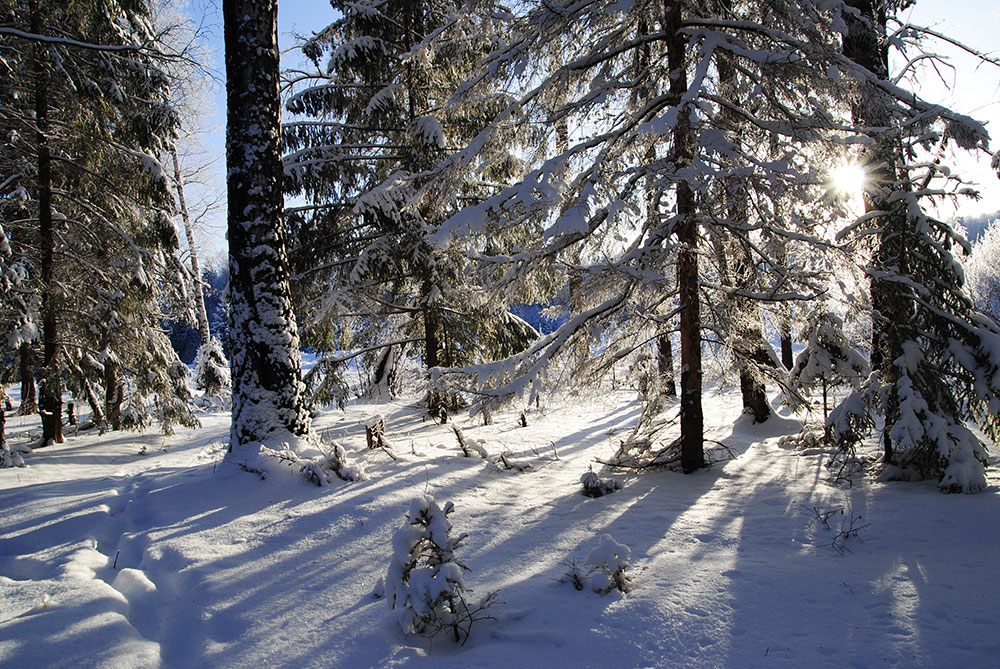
point(268, 403)
point(85, 150)
point(934, 356)
point(372, 115)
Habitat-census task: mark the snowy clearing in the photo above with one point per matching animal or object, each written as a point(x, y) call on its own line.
point(177, 558)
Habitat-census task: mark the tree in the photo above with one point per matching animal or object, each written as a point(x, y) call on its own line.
point(102, 244)
point(372, 114)
point(630, 197)
point(268, 403)
point(935, 358)
point(828, 358)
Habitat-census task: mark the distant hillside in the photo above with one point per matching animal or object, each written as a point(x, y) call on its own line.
point(976, 225)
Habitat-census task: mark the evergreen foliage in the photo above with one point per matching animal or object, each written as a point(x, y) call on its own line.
point(374, 117)
point(87, 113)
point(425, 578)
point(936, 359)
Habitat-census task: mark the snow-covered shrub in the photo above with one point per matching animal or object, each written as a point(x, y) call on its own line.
point(323, 469)
point(10, 457)
point(211, 370)
point(610, 561)
point(828, 359)
point(595, 486)
point(424, 582)
point(605, 568)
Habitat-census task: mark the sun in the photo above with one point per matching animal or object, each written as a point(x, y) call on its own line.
point(849, 179)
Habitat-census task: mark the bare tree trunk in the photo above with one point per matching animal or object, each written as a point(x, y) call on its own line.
point(785, 334)
point(665, 365)
point(692, 420)
point(50, 386)
point(29, 403)
point(268, 393)
point(199, 291)
point(113, 395)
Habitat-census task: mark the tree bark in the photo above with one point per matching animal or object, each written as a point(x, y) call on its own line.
point(29, 403)
point(96, 413)
point(746, 330)
point(437, 401)
point(113, 395)
point(864, 44)
point(692, 421)
point(665, 365)
point(50, 386)
point(268, 393)
point(785, 335)
point(199, 291)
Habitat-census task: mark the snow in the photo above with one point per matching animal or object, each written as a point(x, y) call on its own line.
point(179, 558)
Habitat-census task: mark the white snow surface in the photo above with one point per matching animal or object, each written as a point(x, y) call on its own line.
point(178, 558)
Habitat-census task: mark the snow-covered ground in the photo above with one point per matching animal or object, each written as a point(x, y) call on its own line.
point(175, 557)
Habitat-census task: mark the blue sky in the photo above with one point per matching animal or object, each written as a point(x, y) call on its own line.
point(969, 88)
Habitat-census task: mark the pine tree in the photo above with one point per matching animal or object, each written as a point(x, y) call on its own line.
point(828, 358)
point(636, 186)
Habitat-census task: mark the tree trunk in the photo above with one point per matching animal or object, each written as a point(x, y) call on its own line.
point(784, 311)
point(437, 401)
point(692, 421)
point(268, 401)
point(29, 405)
point(665, 365)
point(199, 291)
point(96, 414)
point(50, 385)
point(746, 331)
point(785, 334)
point(113, 395)
point(890, 302)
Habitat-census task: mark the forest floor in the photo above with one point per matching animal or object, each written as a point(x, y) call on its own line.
point(139, 550)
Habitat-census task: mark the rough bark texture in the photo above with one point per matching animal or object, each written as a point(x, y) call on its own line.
point(692, 420)
point(437, 401)
point(784, 311)
point(199, 292)
point(50, 386)
point(266, 364)
point(29, 403)
point(113, 395)
point(863, 45)
point(665, 365)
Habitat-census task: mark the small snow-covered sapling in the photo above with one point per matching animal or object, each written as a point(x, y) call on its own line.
point(609, 562)
point(424, 582)
point(595, 486)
